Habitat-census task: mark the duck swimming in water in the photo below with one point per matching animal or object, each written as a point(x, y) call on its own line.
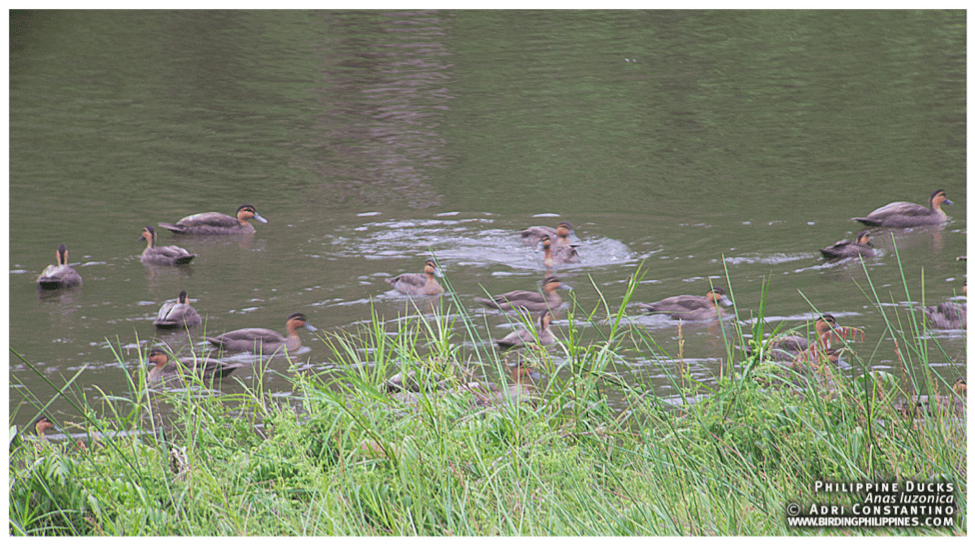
point(860, 246)
point(690, 307)
point(215, 223)
point(423, 283)
point(166, 371)
point(950, 314)
point(162, 255)
point(791, 347)
point(563, 251)
point(906, 214)
point(264, 341)
point(177, 314)
point(529, 300)
point(60, 275)
point(523, 337)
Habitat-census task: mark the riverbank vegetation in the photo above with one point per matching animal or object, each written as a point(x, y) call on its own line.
point(580, 451)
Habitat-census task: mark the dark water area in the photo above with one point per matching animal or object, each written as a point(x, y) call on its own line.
point(697, 144)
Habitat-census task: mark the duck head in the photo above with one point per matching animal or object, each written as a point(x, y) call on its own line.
point(158, 357)
point(246, 212)
point(863, 237)
point(716, 295)
point(961, 387)
point(938, 198)
point(297, 320)
point(149, 235)
point(62, 256)
point(431, 269)
point(551, 283)
point(563, 229)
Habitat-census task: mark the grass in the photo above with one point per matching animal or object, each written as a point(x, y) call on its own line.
point(343, 456)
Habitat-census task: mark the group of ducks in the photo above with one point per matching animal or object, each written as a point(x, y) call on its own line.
point(558, 250)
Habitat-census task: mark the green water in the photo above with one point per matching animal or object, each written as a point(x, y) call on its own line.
point(689, 141)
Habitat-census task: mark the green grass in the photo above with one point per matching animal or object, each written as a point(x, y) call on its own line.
point(342, 456)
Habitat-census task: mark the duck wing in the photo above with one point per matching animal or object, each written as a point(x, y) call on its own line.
point(533, 235)
point(678, 304)
point(416, 280)
point(253, 334)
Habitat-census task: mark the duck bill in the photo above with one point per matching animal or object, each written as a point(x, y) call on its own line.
point(566, 287)
point(310, 327)
point(259, 218)
point(725, 301)
point(949, 203)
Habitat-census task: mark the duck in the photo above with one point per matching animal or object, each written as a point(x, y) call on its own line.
point(936, 405)
point(177, 314)
point(215, 223)
point(263, 340)
point(520, 387)
point(791, 347)
point(60, 275)
point(859, 246)
point(950, 314)
point(562, 248)
point(523, 337)
point(530, 301)
point(423, 283)
point(162, 255)
point(690, 307)
point(906, 214)
point(166, 371)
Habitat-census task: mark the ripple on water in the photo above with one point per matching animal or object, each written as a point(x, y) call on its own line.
point(464, 241)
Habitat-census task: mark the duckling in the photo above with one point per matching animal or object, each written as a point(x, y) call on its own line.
point(162, 255)
point(523, 337)
point(860, 246)
point(950, 314)
point(690, 307)
point(418, 283)
point(215, 223)
point(529, 300)
point(60, 275)
point(177, 313)
point(166, 371)
point(905, 214)
point(936, 405)
point(263, 340)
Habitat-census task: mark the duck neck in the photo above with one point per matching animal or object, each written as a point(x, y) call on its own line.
point(242, 217)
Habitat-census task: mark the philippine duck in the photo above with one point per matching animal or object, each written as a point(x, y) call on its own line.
point(60, 275)
point(423, 283)
point(936, 405)
point(167, 371)
point(690, 307)
point(261, 340)
point(860, 246)
point(178, 313)
point(906, 214)
point(529, 300)
point(950, 314)
point(522, 337)
point(162, 255)
point(215, 223)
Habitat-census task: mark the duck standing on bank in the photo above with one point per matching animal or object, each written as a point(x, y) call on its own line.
point(162, 255)
point(177, 314)
point(215, 223)
point(424, 283)
point(59, 276)
point(264, 341)
point(690, 308)
point(859, 246)
point(906, 214)
point(529, 300)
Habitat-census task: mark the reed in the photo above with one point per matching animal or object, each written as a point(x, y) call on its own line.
point(344, 455)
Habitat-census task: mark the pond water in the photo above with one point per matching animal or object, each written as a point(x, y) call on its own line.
point(697, 144)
